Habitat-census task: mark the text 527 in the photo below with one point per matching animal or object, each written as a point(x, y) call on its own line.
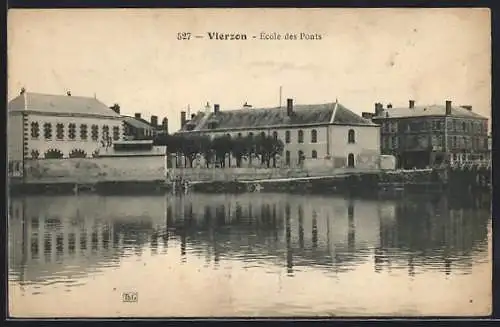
point(184, 36)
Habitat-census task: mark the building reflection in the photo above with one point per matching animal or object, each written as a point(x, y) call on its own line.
point(74, 235)
point(79, 235)
point(437, 233)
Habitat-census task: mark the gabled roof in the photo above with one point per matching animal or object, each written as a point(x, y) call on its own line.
point(60, 104)
point(429, 110)
point(277, 117)
point(137, 122)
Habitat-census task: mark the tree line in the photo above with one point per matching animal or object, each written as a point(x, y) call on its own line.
point(215, 150)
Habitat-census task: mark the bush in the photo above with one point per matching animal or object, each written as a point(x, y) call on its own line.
point(53, 154)
point(77, 153)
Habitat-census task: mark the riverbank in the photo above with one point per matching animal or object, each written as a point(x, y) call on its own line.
point(391, 183)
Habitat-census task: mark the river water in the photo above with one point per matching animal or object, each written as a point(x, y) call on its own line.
point(247, 255)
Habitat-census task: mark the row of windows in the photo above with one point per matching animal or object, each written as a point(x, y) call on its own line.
point(314, 155)
point(392, 142)
point(458, 125)
point(351, 136)
point(71, 131)
point(467, 142)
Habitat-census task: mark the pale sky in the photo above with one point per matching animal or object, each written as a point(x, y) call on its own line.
point(132, 57)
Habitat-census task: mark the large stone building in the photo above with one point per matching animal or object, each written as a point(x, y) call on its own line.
point(58, 126)
point(428, 135)
point(324, 134)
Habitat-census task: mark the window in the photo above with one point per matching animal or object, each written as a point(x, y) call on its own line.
point(116, 133)
point(47, 130)
point(394, 126)
point(250, 134)
point(35, 154)
point(385, 142)
point(314, 136)
point(395, 142)
point(287, 137)
point(83, 131)
point(300, 136)
point(105, 132)
point(239, 135)
point(35, 130)
point(301, 156)
point(71, 131)
point(95, 132)
point(438, 125)
point(60, 131)
point(275, 135)
point(314, 154)
point(351, 138)
point(350, 160)
point(262, 135)
point(287, 158)
point(464, 126)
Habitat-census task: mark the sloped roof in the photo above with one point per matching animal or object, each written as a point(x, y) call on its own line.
point(277, 117)
point(60, 104)
point(137, 122)
point(429, 110)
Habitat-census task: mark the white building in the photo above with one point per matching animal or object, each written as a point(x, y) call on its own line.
point(58, 126)
point(323, 134)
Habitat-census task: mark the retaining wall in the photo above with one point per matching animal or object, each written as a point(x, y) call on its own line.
point(91, 170)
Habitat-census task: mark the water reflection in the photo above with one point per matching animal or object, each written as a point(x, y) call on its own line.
point(62, 239)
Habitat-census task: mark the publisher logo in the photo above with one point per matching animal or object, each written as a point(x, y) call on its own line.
point(130, 297)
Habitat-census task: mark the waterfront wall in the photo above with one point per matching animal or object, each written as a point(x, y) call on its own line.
point(92, 170)
point(244, 174)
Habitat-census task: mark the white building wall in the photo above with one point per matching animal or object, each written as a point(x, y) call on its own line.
point(66, 145)
point(15, 137)
point(366, 145)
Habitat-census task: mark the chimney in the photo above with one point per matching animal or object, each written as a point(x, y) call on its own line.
point(154, 121)
point(468, 107)
point(183, 118)
point(367, 115)
point(448, 108)
point(216, 108)
point(389, 106)
point(68, 93)
point(138, 115)
point(23, 90)
point(164, 125)
point(289, 107)
point(379, 108)
point(411, 104)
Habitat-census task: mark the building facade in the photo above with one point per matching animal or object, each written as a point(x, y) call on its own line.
point(137, 128)
point(424, 136)
point(324, 134)
point(56, 126)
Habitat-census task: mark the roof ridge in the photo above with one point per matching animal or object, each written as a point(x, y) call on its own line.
point(62, 95)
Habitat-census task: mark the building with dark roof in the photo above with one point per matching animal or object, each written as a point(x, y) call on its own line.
point(310, 133)
point(45, 125)
point(427, 135)
point(137, 128)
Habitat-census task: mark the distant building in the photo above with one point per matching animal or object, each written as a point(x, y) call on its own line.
point(136, 128)
point(322, 134)
point(51, 126)
point(421, 136)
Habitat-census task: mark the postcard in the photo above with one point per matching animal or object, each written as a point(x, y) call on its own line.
point(249, 162)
